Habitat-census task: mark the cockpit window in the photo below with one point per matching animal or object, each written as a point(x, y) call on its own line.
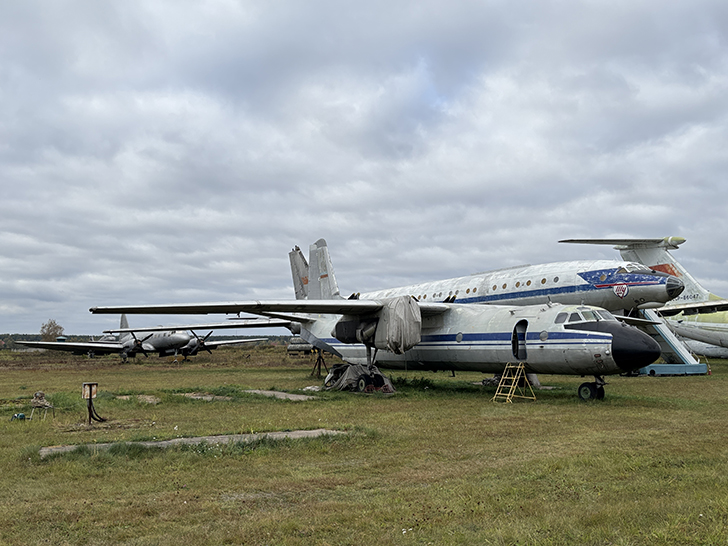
point(634, 268)
point(561, 317)
point(575, 317)
point(606, 315)
point(589, 316)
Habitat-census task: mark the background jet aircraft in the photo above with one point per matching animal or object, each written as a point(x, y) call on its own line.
point(618, 286)
point(164, 341)
point(696, 313)
point(398, 331)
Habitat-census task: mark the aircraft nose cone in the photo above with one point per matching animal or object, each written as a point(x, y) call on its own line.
point(674, 287)
point(633, 349)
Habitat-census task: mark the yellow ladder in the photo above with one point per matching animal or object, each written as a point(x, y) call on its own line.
point(509, 388)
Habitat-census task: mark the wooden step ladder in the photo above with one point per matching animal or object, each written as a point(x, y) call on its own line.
point(509, 388)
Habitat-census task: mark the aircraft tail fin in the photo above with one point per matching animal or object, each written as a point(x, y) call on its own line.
point(321, 273)
point(655, 254)
point(299, 271)
point(124, 325)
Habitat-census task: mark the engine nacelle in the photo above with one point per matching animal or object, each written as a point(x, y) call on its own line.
point(396, 328)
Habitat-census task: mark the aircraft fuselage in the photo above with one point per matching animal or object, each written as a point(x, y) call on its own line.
point(554, 339)
point(608, 284)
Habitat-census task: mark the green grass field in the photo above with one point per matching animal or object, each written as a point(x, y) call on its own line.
point(436, 463)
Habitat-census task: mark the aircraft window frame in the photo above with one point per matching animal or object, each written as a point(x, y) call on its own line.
point(528, 283)
point(505, 284)
point(543, 281)
point(589, 316)
point(606, 315)
point(575, 317)
point(475, 290)
point(556, 279)
point(561, 318)
point(637, 268)
point(518, 284)
point(495, 287)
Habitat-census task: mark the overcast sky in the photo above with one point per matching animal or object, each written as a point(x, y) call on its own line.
point(167, 152)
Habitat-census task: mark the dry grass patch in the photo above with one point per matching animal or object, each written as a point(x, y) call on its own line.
point(435, 463)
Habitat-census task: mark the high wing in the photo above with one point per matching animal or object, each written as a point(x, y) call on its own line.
point(327, 307)
point(215, 344)
point(244, 323)
point(76, 346)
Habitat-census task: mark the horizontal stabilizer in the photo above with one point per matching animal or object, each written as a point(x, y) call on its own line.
point(627, 244)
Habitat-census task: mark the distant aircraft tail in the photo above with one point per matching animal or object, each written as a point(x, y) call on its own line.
point(655, 254)
point(124, 325)
point(299, 270)
point(315, 279)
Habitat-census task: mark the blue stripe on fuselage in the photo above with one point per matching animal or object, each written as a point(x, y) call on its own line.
point(501, 338)
point(593, 278)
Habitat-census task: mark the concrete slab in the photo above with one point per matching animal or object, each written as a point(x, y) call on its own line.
point(222, 439)
point(282, 395)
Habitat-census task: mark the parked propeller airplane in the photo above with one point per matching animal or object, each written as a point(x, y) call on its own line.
point(696, 314)
point(397, 330)
point(164, 341)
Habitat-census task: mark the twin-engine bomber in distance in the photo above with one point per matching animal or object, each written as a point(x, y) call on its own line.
point(399, 331)
point(172, 341)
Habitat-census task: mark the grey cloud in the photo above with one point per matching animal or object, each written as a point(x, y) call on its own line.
point(176, 151)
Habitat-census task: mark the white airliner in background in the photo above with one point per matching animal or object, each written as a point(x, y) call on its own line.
point(618, 286)
point(429, 329)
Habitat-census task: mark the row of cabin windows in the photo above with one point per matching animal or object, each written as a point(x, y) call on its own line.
point(439, 294)
point(519, 284)
point(475, 289)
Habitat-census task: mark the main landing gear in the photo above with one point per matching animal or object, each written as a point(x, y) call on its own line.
point(592, 391)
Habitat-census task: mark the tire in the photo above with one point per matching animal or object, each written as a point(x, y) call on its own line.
point(587, 391)
point(361, 383)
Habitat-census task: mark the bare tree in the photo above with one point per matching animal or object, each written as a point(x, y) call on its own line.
point(51, 330)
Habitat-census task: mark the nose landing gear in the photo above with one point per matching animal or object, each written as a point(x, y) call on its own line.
point(592, 391)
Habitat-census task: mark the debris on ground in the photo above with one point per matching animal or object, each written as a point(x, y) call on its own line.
point(358, 378)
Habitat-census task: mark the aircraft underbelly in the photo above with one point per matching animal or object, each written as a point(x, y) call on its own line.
point(585, 359)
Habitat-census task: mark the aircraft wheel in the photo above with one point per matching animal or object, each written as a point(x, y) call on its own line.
point(361, 383)
point(600, 393)
point(587, 391)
